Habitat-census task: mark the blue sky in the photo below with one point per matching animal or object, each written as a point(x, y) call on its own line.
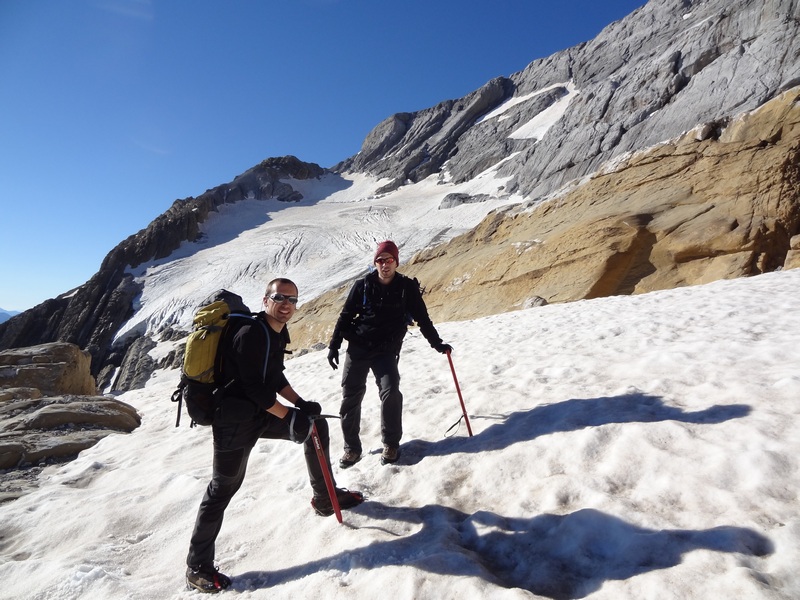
point(112, 109)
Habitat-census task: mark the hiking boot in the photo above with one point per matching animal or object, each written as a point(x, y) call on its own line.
point(207, 579)
point(389, 455)
point(350, 458)
point(347, 499)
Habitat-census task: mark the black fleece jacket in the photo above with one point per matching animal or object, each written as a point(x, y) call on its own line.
point(252, 361)
point(377, 316)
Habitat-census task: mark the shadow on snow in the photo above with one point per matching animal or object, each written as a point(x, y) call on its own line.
point(557, 556)
point(570, 415)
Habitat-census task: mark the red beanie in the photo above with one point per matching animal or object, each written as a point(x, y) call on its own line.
point(390, 247)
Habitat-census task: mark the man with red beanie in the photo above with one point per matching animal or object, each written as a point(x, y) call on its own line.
point(374, 321)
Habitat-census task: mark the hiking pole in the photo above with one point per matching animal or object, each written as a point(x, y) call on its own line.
point(326, 473)
point(458, 389)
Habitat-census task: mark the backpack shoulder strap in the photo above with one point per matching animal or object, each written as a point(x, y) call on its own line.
point(234, 322)
point(364, 284)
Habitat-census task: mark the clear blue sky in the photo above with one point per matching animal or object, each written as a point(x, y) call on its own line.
point(112, 109)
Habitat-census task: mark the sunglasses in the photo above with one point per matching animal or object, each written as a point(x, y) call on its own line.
point(389, 260)
point(283, 298)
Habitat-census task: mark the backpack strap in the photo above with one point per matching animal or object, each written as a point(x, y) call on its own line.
point(219, 363)
point(224, 340)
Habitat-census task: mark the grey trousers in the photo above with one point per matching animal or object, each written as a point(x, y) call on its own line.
point(354, 386)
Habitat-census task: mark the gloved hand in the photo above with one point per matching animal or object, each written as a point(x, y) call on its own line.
point(333, 358)
point(443, 348)
point(299, 425)
point(310, 409)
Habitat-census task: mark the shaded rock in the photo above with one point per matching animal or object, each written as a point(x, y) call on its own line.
point(534, 301)
point(457, 199)
point(420, 143)
point(136, 366)
point(793, 255)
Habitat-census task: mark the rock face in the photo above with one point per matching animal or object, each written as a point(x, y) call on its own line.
point(701, 208)
point(421, 142)
point(684, 213)
point(49, 412)
point(646, 78)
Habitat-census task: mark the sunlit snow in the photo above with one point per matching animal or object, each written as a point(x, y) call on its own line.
point(623, 448)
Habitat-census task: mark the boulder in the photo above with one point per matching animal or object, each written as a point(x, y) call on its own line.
point(54, 368)
point(42, 429)
point(793, 255)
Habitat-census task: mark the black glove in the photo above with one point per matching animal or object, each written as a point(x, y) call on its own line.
point(443, 348)
point(299, 425)
point(333, 358)
point(310, 409)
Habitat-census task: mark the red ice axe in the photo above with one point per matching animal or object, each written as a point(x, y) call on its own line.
point(458, 389)
point(326, 473)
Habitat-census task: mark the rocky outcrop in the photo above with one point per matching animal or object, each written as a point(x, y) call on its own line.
point(55, 368)
point(50, 411)
point(793, 256)
point(457, 199)
point(39, 430)
point(137, 365)
point(91, 315)
point(649, 77)
point(718, 202)
point(412, 146)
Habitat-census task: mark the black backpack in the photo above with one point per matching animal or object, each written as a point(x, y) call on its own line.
point(199, 388)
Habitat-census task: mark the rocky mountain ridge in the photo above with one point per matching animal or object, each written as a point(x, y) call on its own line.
point(648, 78)
point(90, 315)
point(668, 66)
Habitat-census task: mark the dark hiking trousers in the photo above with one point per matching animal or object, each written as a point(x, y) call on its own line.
point(356, 368)
point(232, 445)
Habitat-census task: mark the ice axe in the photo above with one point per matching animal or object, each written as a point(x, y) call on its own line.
point(323, 463)
point(460, 399)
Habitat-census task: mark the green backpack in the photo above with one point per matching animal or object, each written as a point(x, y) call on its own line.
point(199, 388)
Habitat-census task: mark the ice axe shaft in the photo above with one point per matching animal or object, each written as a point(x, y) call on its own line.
point(458, 389)
point(326, 472)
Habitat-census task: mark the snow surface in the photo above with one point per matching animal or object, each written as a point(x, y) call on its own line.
point(322, 241)
point(640, 447)
point(538, 126)
point(627, 447)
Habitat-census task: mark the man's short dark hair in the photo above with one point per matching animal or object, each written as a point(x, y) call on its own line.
point(272, 285)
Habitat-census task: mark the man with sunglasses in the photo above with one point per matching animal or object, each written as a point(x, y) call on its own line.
point(252, 374)
point(374, 321)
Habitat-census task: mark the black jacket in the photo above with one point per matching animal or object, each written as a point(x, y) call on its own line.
point(251, 366)
point(376, 316)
